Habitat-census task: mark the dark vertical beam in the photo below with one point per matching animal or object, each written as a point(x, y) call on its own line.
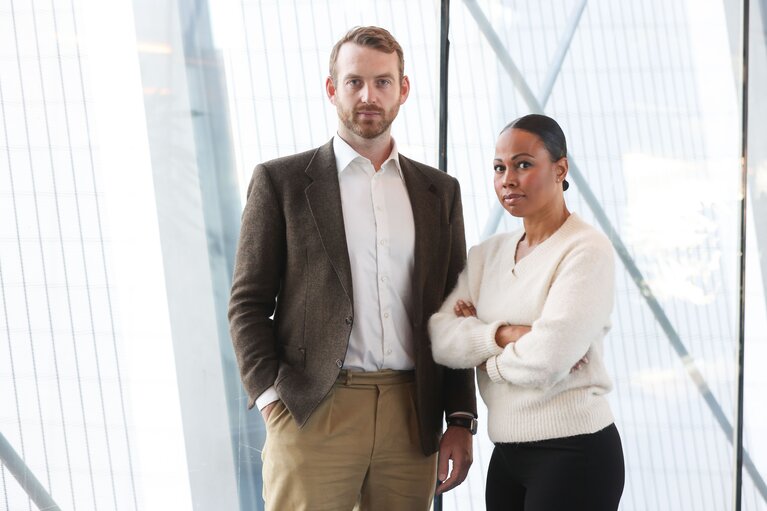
point(758, 112)
point(738, 440)
point(25, 477)
point(444, 51)
point(444, 48)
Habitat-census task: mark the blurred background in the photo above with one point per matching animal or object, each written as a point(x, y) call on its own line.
point(128, 133)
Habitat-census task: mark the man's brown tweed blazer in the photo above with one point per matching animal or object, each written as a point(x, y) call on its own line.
point(291, 307)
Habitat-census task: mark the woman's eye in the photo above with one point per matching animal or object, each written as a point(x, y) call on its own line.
point(524, 165)
point(499, 168)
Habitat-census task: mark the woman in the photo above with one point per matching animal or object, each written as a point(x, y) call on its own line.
point(531, 310)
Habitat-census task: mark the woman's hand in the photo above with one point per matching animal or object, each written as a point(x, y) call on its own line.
point(508, 334)
point(464, 309)
point(503, 336)
point(582, 362)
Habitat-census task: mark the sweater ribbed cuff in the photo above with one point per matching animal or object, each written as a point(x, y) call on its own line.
point(482, 340)
point(493, 370)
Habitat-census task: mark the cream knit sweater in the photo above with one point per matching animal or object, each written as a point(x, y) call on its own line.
point(563, 289)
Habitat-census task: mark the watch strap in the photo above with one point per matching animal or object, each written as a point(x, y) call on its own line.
point(469, 423)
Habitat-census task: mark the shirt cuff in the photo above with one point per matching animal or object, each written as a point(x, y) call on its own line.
point(493, 371)
point(267, 397)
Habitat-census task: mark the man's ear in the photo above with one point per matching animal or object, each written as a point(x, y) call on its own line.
point(330, 89)
point(404, 89)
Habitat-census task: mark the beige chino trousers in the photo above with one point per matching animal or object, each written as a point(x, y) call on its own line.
point(360, 449)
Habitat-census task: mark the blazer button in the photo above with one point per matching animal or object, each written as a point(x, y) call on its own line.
point(348, 320)
point(339, 363)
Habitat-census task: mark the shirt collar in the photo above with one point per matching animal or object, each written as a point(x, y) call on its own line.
point(345, 155)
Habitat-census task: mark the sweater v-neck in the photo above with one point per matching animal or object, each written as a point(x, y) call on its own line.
point(517, 237)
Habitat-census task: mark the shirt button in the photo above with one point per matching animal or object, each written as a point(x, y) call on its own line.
point(386, 314)
point(388, 352)
point(383, 242)
point(383, 279)
point(339, 363)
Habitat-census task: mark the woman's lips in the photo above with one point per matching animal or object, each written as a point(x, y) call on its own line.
point(512, 198)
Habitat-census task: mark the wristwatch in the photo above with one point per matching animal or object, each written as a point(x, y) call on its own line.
point(469, 423)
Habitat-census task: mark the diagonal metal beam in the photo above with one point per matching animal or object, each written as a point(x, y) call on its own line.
point(25, 477)
point(620, 248)
point(561, 53)
point(500, 52)
point(551, 77)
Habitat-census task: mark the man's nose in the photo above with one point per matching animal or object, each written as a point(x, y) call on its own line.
point(367, 93)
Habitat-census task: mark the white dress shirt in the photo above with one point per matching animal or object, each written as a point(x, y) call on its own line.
point(380, 235)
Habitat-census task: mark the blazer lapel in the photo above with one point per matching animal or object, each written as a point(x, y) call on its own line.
point(426, 217)
point(324, 197)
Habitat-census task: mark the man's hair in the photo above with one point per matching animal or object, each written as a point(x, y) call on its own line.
point(370, 37)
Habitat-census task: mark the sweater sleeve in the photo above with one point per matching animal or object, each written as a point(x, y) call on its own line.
point(575, 314)
point(460, 342)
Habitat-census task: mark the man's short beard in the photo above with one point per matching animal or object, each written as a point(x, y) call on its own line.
point(369, 131)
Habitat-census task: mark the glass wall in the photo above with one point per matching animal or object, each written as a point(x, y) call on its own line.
point(649, 96)
point(129, 132)
point(112, 390)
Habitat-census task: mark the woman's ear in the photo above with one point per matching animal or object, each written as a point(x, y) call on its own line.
point(560, 168)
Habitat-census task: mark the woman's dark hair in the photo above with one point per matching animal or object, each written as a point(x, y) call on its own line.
point(550, 132)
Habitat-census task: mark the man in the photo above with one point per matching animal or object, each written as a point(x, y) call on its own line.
point(351, 247)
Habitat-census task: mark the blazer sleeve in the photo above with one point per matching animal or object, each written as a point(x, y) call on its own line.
point(459, 393)
point(258, 270)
